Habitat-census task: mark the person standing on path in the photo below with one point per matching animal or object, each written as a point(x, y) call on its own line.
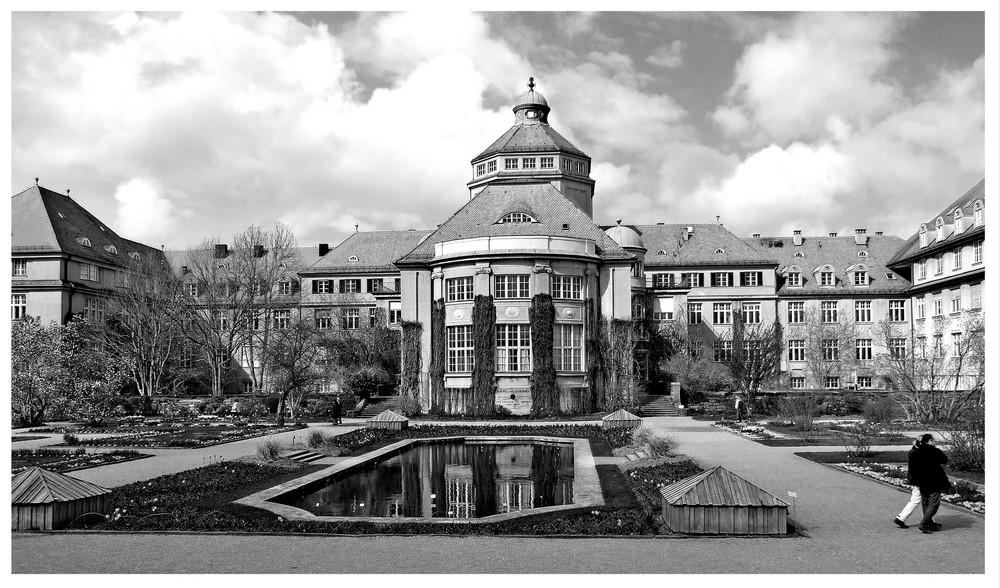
point(337, 410)
point(926, 472)
point(913, 503)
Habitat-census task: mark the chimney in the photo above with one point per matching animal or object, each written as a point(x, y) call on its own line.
point(860, 237)
point(833, 234)
point(221, 250)
point(659, 224)
point(688, 231)
point(756, 235)
point(184, 269)
point(797, 237)
point(258, 251)
point(324, 248)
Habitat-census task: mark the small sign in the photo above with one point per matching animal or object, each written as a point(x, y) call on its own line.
point(793, 495)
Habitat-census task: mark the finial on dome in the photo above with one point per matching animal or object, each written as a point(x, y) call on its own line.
point(618, 220)
point(531, 84)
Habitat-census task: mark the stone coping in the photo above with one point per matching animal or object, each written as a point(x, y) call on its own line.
point(586, 484)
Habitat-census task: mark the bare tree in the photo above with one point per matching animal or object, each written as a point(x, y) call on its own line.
point(829, 345)
point(292, 356)
point(756, 354)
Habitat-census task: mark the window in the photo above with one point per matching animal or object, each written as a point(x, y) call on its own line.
point(831, 350)
point(979, 215)
point(85, 242)
point(324, 320)
point(722, 279)
point(135, 256)
point(638, 306)
point(864, 382)
point(695, 280)
point(567, 165)
point(751, 312)
point(863, 311)
point(897, 348)
point(567, 287)
point(862, 254)
point(663, 280)
point(720, 250)
point(512, 286)
point(794, 279)
point(976, 296)
point(796, 350)
point(959, 224)
point(956, 344)
point(897, 311)
point(860, 278)
point(921, 268)
point(89, 272)
point(528, 162)
point(922, 346)
point(322, 286)
point(481, 169)
point(491, 166)
point(516, 217)
point(956, 259)
point(395, 313)
point(581, 168)
point(93, 310)
point(938, 346)
point(828, 312)
point(120, 279)
point(19, 267)
point(568, 348)
point(826, 279)
point(977, 252)
point(458, 289)
point(939, 264)
point(513, 348)
point(694, 313)
point(282, 319)
point(351, 318)
point(956, 301)
point(920, 307)
point(221, 320)
point(350, 286)
point(863, 349)
point(192, 289)
point(938, 306)
point(18, 306)
point(722, 313)
point(799, 254)
point(510, 163)
point(723, 350)
point(797, 383)
point(372, 316)
point(548, 162)
point(832, 382)
point(695, 348)
point(890, 276)
point(751, 278)
point(376, 285)
point(460, 353)
point(284, 287)
point(663, 316)
point(796, 312)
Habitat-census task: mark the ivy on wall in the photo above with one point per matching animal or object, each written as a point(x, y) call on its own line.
point(410, 360)
point(437, 354)
point(544, 392)
point(593, 356)
point(484, 319)
point(617, 354)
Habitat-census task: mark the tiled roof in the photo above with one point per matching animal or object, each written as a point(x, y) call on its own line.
point(530, 136)
point(542, 201)
point(46, 221)
point(839, 252)
point(375, 250)
point(718, 487)
point(700, 248)
point(38, 486)
point(178, 258)
point(912, 246)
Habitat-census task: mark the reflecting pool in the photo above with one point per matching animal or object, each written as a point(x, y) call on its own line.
point(446, 479)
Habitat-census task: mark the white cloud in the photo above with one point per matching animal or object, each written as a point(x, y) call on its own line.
point(668, 56)
point(145, 214)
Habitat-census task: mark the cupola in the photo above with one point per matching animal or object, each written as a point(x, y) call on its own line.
point(531, 106)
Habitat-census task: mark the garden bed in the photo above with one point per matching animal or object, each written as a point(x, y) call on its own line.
point(772, 435)
point(166, 435)
point(67, 460)
point(19, 438)
point(886, 457)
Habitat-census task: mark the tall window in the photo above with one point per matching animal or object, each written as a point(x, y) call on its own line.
point(372, 316)
point(323, 319)
point(920, 307)
point(512, 286)
point(897, 311)
point(568, 348)
point(282, 319)
point(510, 163)
point(460, 353)
point(860, 278)
point(976, 296)
point(831, 350)
point(722, 279)
point(796, 312)
point(723, 350)
point(695, 279)
point(93, 310)
point(19, 267)
point(89, 272)
point(826, 279)
point(863, 311)
point(285, 287)
point(751, 278)
point(897, 347)
point(921, 268)
point(956, 301)
point(491, 166)
point(350, 286)
point(794, 279)
point(796, 350)
point(938, 306)
point(513, 348)
point(863, 349)
point(979, 216)
point(828, 312)
point(351, 318)
point(722, 313)
point(567, 164)
point(956, 259)
point(638, 306)
point(751, 312)
point(939, 264)
point(18, 306)
point(977, 252)
point(548, 163)
point(663, 280)
point(458, 289)
point(694, 313)
point(567, 287)
point(395, 313)
point(956, 344)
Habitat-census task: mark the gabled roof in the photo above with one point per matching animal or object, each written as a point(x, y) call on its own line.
point(699, 249)
point(840, 253)
point(38, 486)
point(718, 487)
point(46, 221)
point(478, 218)
point(621, 415)
point(178, 258)
point(912, 249)
point(374, 250)
point(388, 416)
point(530, 137)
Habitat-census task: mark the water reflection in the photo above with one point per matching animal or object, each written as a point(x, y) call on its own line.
point(455, 480)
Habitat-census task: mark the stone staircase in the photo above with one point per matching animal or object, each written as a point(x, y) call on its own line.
point(377, 404)
point(304, 456)
point(657, 406)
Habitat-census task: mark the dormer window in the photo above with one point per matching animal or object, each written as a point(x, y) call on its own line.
point(923, 235)
point(528, 162)
point(826, 279)
point(135, 256)
point(890, 276)
point(860, 278)
point(959, 224)
point(352, 258)
point(794, 279)
point(661, 252)
point(84, 241)
point(939, 226)
point(111, 249)
point(516, 217)
point(720, 250)
point(862, 254)
point(979, 215)
point(799, 254)
point(481, 169)
point(491, 166)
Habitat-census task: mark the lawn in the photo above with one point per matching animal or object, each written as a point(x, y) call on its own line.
point(197, 434)
point(66, 460)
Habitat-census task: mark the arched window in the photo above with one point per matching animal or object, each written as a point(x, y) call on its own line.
point(135, 256)
point(979, 214)
point(799, 254)
point(862, 254)
point(111, 249)
point(959, 221)
point(661, 252)
point(352, 258)
point(720, 250)
point(516, 217)
point(84, 241)
point(923, 235)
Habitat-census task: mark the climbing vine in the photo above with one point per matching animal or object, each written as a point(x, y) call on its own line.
point(437, 354)
point(410, 360)
point(617, 351)
point(544, 392)
point(484, 319)
point(593, 355)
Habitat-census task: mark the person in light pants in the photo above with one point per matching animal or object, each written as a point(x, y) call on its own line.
point(912, 505)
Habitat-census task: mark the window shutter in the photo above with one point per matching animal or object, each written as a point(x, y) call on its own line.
point(397, 284)
point(368, 286)
point(731, 282)
point(315, 286)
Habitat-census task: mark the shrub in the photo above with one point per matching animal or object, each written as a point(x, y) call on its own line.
point(271, 403)
point(366, 381)
point(409, 405)
point(501, 411)
point(644, 437)
point(967, 491)
point(801, 409)
point(321, 408)
point(857, 438)
point(968, 444)
point(268, 450)
point(315, 439)
point(882, 412)
point(71, 439)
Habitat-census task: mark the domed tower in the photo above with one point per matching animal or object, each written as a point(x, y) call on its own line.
point(531, 151)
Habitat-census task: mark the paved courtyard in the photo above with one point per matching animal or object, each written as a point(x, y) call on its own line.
point(848, 520)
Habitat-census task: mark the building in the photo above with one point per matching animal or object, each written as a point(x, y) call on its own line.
point(64, 260)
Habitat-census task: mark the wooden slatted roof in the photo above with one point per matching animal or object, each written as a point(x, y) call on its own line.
point(38, 486)
point(388, 416)
point(621, 415)
point(718, 487)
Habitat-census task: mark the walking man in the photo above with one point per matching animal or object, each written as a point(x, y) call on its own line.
point(912, 505)
point(926, 472)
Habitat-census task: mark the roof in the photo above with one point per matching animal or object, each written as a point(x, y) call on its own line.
point(374, 250)
point(912, 248)
point(178, 258)
point(530, 136)
point(531, 98)
point(625, 236)
point(47, 221)
point(718, 487)
point(38, 486)
point(699, 249)
point(478, 218)
point(839, 252)
point(388, 416)
point(621, 415)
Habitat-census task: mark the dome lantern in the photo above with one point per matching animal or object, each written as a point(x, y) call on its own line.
point(531, 106)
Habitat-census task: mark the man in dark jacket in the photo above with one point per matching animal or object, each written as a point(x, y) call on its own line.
point(926, 471)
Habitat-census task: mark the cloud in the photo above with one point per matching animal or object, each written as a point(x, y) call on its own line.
point(668, 56)
point(145, 214)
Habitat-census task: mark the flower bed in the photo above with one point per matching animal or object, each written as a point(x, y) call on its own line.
point(65, 460)
point(646, 481)
point(166, 435)
point(896, 476)
point(753, 432)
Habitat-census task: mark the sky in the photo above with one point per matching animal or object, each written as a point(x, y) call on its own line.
point(178, 127)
